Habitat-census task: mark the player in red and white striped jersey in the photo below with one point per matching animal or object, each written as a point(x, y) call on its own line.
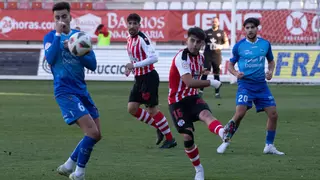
point(145, 89)
point(185, 105)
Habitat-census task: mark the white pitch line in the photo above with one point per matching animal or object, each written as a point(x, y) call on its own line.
point(22, 94)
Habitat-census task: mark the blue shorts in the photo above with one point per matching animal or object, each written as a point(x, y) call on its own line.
point(74, 107)
point(261, 98)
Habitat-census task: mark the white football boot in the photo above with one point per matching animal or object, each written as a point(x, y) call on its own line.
point(199, 173)
point(62, 170)
point(271, 149)
point(73, 176)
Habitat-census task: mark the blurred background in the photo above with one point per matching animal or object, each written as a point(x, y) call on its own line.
point(292, 26)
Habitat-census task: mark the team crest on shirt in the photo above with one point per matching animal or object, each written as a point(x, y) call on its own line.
point(47, 46)
point(185, 64)
point(181, 122)
point(262, 50)
point(219, 34)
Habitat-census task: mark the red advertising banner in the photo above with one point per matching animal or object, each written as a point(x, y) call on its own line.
point(278, 26)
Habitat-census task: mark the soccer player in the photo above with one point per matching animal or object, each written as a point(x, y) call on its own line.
point(145, 88)
point(250, 54)
point(70, 90)
point(185, 105)
point(216, 41)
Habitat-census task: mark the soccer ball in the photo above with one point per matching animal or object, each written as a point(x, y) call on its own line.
point(79, 44)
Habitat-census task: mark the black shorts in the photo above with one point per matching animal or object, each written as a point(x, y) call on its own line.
point(145, 89)
point(212, 61)
point(187, 111)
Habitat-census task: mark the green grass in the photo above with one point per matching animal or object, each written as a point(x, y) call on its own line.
point(35, 140)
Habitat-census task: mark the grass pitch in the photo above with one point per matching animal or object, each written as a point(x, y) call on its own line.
point(35, 140)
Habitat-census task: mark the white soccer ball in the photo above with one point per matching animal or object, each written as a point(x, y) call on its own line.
point(80, 44)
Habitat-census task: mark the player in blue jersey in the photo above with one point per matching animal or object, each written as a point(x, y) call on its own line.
point(70, 90)
point(250, 54)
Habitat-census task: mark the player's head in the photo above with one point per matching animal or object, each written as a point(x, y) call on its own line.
point(133, 23)
point(251, 27)
point(61, 12)
point(215, 22)
point(196, 37)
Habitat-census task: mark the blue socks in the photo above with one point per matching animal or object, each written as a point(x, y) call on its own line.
point(75, 153)
point(84, 150)
point(270, 137)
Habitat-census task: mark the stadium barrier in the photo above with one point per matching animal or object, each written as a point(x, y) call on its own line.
point(293, 64)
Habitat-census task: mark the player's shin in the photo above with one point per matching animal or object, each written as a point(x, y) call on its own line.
point(71, 162)
point(163, 126)
point(84, 154)
point(143, 116)
point(216, 127)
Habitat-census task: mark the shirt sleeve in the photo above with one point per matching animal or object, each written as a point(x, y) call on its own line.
point(182, 65)
point(51, 45)
point(269, 55)
point(150, 53)
point(235, 54)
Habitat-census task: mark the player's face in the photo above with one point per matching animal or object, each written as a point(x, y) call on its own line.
point(133, 27)
point(251, 31)
point(194, 44)
point(215, 23)
point(63, 16)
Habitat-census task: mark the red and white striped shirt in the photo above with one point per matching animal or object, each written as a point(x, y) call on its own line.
point(139, 48)
point(183, 63)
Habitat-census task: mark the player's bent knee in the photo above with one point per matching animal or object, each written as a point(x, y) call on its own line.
point(95, 134)
point(132, 108)
point(152, 110)
point(273, 116)
point(187, 137)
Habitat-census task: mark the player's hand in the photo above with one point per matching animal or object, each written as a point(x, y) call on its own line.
point(127, 72)
point(205, 71)
point(269, 75)
point(59, 26)
point(129, 66)
point(240, 75)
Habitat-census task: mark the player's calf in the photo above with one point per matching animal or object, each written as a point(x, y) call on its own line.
point(192, 152)
point(141, 114)
point(213, 124)
point(92, 136)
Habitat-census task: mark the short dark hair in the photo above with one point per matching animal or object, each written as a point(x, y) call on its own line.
point(134, 17)
point(198, 32)
point(61, 6)
point(254, 21)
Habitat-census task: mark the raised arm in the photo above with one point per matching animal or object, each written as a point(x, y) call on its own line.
point(89, 61)
point(51, 43)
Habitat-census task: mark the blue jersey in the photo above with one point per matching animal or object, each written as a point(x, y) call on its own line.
point(251, 60)
point(68, 70)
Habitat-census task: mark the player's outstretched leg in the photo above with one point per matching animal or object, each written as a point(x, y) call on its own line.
point(231, 127)
point(213, 124)
point(92, 136)
point(162, 126)
point(192, 152)
point(271, 131)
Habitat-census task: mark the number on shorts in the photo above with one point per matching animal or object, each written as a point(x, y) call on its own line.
point(243, 98)
point(81, 107)
point(178, 114)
